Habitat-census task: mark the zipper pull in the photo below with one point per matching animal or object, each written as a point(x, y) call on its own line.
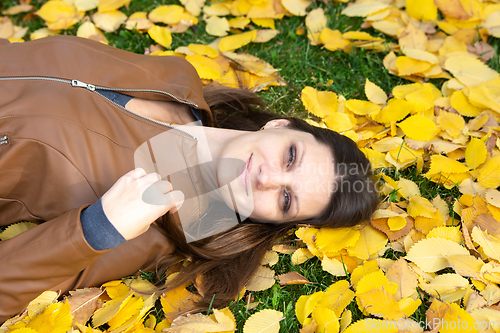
point(76, 83)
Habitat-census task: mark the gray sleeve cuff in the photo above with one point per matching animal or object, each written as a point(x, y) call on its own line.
point(98, 230)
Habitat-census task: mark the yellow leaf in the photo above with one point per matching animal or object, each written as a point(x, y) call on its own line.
point(469, 70)
point(59, 15)
point(55, 318)
point(109, 5)
point(418, 127)
point(452, 8)
point(489, 174)
point(364, 8)
point(442, 164)
point(362, 270)
point(319, 103)
point(422, 10)
point(337, 297)
point(206, 67)
point(264, 321)
point(265, 35)
point(336, 239)
point(292, 278)
point(193, 6)
point(301, 255)
point(333, 39)
point(370, 242)
point(408, 66)
point(39, 304)
point(406, 279)
point(203, 50)
point(305, 305)
point(422, 98)
point(466, 265)
point(296, 7)
point(264, 22)
point(430, 254)
point(217, 26)
point(15, 229)
point(196, 323)
point(489, 244)
point(109, 21)
point(396, 223)
point(168, 14)
point(452, 123)
point(226, 318)
point(456, 314)
point(476, 153)
point(461, 103)
point(448, 287)
point(362, 108)
point(161, 35)
point(262, 279)
point(451, 233)
point(316, 20)
point(326, 319)
point(131, 308)
point(340, 122)
point(395, 110)
point(234, 42)
point(374, 93)
point(380, 303)
point(251, 64)
point(333, 266)
point(377, 159)
point(408, 188)
point(238, 22)
point(89, 30)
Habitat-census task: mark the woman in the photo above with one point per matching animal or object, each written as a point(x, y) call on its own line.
point(67, 150)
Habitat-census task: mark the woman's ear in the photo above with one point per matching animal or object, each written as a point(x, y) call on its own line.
point(276, 123)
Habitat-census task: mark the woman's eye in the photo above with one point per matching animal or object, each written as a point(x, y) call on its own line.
point(291, 155)
point(286, 201)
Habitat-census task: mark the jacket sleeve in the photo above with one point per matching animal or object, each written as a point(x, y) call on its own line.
point(41, 258)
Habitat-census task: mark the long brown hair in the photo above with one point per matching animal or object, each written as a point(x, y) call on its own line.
point(224, 263)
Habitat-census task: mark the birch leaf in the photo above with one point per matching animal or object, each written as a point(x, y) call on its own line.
point(83, 303)
point(489, 174)
point(262, 279)
point(335, 239)
point(161, 35)
point(234, 42)
point(15, 229)
point(217, 26)
point(264, 321)
point(469, 70)
point(404, 276)
point(476, 153)
point(374, 93)
point(196, 323)
point(448, 287)
point(109, 21)
point(292, 278)
point(418, 127)
point(296, 7)
point(319, 103)
point(430, 254)
point(326, 319)
point(489, 244)
point(395, 110)
point(333, 266)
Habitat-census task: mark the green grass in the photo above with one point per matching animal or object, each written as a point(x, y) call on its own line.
point(301, 65)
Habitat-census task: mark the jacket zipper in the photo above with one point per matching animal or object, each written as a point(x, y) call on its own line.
point(91, 87)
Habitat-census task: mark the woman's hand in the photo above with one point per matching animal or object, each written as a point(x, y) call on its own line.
point(131, 210)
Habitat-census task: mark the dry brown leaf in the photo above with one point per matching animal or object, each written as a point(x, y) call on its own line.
point(292, 278)
point(83, 303)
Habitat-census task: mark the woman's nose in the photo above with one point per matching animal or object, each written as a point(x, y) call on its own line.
point(269, 177)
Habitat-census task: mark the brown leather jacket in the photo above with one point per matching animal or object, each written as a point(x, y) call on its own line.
point(62, 146)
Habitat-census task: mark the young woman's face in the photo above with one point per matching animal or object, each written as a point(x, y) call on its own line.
point(287, 174)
